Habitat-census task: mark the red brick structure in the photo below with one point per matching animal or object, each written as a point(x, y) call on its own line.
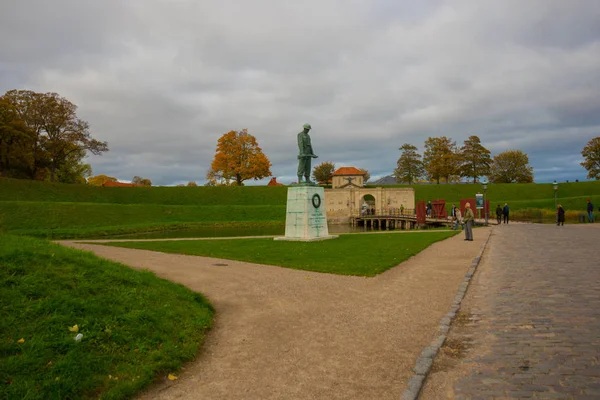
point(273, 182)
point(118, 184)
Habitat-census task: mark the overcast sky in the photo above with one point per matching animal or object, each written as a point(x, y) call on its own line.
point(161, 81)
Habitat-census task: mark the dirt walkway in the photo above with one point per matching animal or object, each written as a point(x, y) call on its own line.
point(286, 334)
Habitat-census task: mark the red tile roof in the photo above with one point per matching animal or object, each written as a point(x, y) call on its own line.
point(348, 171)
point(273, 182)
point(119, 184)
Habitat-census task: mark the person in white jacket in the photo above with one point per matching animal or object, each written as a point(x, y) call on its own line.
point(457, 218)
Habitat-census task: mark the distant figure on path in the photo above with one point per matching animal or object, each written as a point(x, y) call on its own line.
point(505, 211)
point(468, 219)
point(306, 154)
point(453, 214)
point(560, 216)
point(590, 211)
point(429, 208)
point(499, 214)
point(458, 219)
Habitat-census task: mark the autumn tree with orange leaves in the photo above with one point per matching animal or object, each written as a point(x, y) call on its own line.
point(238, 158)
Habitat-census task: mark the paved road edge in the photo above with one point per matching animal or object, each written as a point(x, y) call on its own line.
point(425, 360)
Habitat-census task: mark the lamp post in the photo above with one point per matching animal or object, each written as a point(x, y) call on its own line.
point(484, 182)
point(555, 186)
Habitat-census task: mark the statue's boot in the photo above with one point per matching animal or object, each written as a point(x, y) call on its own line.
point(299, 178)
point(308, 179)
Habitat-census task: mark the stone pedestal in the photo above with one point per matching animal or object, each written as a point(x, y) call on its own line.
point(306, 218)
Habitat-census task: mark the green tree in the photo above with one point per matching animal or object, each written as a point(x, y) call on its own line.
point(239, 158)
point(74, 170)
point(99, 180)
point(64, 132)
point(215, 179)
point(15, 142)
point(26, 104)
point(56, 129)
point(323, 173)
point(440, 158)
point(475, 159)
point(409, 166)
point(367, 174)
point(511, 166)
point(141, 181)
point(591, 158)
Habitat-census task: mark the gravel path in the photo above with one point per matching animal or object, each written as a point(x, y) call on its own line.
point(287, 334)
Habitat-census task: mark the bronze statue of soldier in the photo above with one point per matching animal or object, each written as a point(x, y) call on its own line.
point(305, 156)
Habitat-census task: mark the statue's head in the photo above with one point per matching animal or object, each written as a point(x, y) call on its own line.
point(307, 127)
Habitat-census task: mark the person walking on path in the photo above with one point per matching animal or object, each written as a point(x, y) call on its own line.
point(560, 216)
point(590, 211)
point(458, 219)
point(499, 214)
point(469, 218)
point(453, 214)
point(505, 211)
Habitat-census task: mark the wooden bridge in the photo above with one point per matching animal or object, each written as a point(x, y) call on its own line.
point(397, 220)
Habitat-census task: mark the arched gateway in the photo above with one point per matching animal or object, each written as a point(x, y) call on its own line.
point(344, 203)
point(347, 197)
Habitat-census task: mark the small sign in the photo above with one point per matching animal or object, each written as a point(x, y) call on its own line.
point(479, 201)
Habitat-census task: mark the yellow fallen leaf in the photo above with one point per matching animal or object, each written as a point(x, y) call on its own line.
point(172, 377)
point(21, 341)
point(74, 328)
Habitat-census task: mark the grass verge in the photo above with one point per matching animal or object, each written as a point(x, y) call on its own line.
point(178, 229)
point(135, 326)
point(363, 255)
point(88, 220)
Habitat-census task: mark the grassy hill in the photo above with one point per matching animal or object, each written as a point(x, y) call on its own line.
point(66, 211)
point(135, 327)
point(25, 190)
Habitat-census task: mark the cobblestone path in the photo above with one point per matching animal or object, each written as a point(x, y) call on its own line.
point(531, 319)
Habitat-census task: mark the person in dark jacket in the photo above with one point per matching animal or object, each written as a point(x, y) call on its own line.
point(560, 216)
point(505, 211)
point(499, 214)
point(590, 211)
point(429, 209)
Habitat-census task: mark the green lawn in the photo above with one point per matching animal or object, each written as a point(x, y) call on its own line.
point(135, 326)
point(73, 220)
point(363, 255)
point(27, 190)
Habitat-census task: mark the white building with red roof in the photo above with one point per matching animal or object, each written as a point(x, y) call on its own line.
point(347, 177)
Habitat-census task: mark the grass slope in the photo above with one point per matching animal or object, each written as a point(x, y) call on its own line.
point(50, 210)
point(60, 220)
point(134, 324)
point(572, 195)
point(26, 190)
point(363, 255)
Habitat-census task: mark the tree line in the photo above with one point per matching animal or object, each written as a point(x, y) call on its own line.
point(42, 138)
point(444, 161)
point(239, 158)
